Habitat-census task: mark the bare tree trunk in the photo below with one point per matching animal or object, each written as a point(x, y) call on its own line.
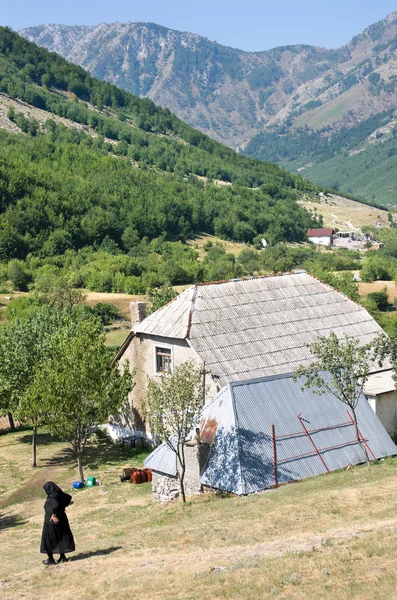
point(182, 462)
point(11, 421)
point(34, 446)
point(359, 438)
point(80, 465)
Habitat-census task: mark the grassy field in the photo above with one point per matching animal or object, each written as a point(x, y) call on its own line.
point(328, 537)
point(115, 337)
point(199, 240)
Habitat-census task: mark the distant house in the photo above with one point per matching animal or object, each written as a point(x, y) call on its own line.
point(266, 432)
point(323, 237)
point(241, 329)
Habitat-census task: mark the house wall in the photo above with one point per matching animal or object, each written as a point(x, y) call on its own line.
point(323, 241)
point(141, 355)
point(385, 408)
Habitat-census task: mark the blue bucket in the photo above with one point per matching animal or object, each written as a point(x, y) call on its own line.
point(77, 485)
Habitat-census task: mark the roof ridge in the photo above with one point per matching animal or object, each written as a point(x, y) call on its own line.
point(192, 306)
point(252, 277)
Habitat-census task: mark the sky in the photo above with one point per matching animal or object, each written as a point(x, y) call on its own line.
point(252, 25)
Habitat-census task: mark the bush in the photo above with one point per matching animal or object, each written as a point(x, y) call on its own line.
point(380, 299)
point(18, 276)
point(106, 312)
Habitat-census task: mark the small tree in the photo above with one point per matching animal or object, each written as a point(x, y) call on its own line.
point(23, 345)
point(76, 386)
point(172, 407)
point(385, 349)
point(341, 368)
point(26, 343)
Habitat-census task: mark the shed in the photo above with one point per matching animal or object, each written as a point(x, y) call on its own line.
point(323, 237)
point(266, 432)
point(380, 390)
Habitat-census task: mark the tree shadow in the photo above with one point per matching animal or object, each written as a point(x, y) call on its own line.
point(241, 462)
point(104, 552)
point(107, 451)
point(8, 521)
point(43, 439)
point(65, 457)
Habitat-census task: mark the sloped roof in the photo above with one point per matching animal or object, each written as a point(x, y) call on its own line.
point(237, 424)
point(162, 459)
point(241, 459)
point(380, 383)
point(319, 232)
point(254, 327)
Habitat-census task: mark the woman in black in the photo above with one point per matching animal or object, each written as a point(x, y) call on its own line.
point(56, 536)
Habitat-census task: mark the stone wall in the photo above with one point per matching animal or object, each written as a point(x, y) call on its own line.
point(166, 487)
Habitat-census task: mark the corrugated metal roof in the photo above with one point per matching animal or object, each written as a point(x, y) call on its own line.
point(241, 459)
point(259, 326)
point(172, 320)
point(237, 424)
point(162, 459)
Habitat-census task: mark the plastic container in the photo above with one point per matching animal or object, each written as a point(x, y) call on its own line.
point(144, 476)
point(149, 474)
point(90, 481)
point(77, 485)
point(136, 477)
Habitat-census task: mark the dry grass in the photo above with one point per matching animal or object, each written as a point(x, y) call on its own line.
point(346, 214)
point(121, 301)
point(377, 286)
point(327, 537)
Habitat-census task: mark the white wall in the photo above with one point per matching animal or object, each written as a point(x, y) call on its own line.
point(323, 241)
point(385, 408)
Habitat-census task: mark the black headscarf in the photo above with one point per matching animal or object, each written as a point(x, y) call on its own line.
point(56, 498)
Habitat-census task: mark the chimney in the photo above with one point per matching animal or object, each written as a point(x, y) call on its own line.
point(138, 312)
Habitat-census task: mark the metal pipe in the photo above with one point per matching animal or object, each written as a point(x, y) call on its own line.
point(274, 456)
point(299, 433)
point(312, 443)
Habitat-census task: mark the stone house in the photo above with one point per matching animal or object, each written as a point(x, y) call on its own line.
point(239, 329)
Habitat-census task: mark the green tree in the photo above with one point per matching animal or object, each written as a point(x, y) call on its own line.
point(341, 368)
point(52, 288)
point(172, 407)
point(18, 275)
point(158, 297)
point(76, 387)
point(25, 345)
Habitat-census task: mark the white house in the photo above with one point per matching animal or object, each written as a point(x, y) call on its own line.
point(320, 236)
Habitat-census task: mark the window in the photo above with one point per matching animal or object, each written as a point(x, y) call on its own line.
point(163, 360)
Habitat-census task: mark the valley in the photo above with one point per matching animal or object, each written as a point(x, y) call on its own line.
point(294, 105)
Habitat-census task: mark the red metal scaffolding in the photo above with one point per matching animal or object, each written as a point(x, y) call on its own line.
point(316, 451)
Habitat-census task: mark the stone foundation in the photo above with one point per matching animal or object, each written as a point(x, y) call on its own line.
point(166, 487)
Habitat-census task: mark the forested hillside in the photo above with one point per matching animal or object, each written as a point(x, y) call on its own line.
point(111, 185)
point(329, 114)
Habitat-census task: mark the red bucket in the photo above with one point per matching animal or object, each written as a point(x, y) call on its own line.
point(136, 477)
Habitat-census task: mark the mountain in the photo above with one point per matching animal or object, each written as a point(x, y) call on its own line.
point(301, 106)
point(105, 187)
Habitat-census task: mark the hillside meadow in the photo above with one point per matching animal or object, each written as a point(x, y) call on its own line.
point(326, 537)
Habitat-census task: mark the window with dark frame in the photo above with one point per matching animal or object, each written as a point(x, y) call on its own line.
point(163, 360)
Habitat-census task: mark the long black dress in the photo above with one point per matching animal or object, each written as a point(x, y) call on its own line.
point(56, 537)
